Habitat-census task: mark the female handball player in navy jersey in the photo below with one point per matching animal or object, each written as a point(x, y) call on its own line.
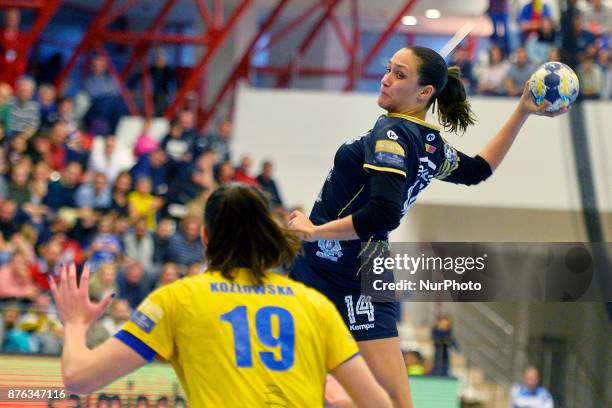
point(375, 180)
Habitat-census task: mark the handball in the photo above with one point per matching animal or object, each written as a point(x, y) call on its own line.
point(556, 83)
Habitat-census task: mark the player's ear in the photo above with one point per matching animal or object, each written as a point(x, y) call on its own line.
point(426, 93)
point(204, 235)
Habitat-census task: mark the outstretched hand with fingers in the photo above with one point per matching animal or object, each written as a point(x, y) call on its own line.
point(72, 299)
point(302, 225)
point(528, 106)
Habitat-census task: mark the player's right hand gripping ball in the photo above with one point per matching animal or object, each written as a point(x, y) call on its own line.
point(556, 83)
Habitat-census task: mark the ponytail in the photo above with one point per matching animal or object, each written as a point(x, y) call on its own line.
point(454, 110)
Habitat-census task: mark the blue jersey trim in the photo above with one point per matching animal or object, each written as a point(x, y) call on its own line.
point(136, 344)
point(357, 354)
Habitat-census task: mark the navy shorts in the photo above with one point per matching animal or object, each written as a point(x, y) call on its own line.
point(365, 319)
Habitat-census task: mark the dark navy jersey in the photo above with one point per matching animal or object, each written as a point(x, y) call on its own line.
point(398, 144)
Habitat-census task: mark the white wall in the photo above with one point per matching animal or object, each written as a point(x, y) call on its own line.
point(301, 130)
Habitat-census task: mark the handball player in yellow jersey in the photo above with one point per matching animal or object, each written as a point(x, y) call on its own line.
point(237, 335)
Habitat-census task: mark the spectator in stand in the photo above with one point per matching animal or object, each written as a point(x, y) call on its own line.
point(104, 281)
point(598, 18)
point(39, 182)
point(62, 193)
point(519, 72)
point(155, 166)
point(461, 58)
point(106, 103)
point(178, 150)
point(11, 218)
point(95, 193)
point(492, 76)
point(414, 363)
point(56, 153)
point(161, 241)
point(145, 143)
point(225, 173)
point(13, 340)
point(242, 173)
point(169, 273)
point(65, 111)
point(139, 245)
point(163, 82)
point(6, 93)
point(591, 78)
point(118, 313)
point(18, 188)
point(217, 141)
point(121, 189)
point(45, 328)
point(142, 202)
point(584, 38)
point(185, 246)
point(132, 285)
point(24, 112)
point(48, 108)
point(443, 340)
point(18, 150)
point(498, 13)
point(538, 47)
point(13, 55)
point(267, 183)
point(606, 91)
point(106, 245)
point(61, 227)
point(106, 158)
point(15, 279)
point(528, 393)
point(531, 16)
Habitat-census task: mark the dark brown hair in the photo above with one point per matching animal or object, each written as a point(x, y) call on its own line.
point(244, 234)
point(454, 110)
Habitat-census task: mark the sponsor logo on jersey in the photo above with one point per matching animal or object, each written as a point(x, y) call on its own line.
point(430, 149)
point(147, 315)
point(391, 135)
point(329, 249)
point(430, 137)
point(389, 153)
point(357, 327)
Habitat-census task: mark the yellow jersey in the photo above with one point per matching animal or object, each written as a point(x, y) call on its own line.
point(235, 344)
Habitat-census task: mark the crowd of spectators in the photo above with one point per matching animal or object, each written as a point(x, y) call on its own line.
point(580, 37)
point(67, 194)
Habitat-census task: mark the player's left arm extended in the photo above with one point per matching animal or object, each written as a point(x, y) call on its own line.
point(85, 370)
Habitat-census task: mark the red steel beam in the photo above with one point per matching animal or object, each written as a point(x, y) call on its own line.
point(125, 93)
point(241, 68)
point(42, 19)
point(356, 42)
point(135, 38)
point(23, 4)
point(218, 12)
point(385, 35)
point(119, 12)
point(92, 31)
point(205, 13)
point(344, 41)
point(147, 91)
point(214, 45)
point(143, 47)
point(309, 71)
point(330, 6)
point(292, 25)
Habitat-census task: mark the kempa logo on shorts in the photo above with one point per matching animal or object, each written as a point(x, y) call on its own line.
point(366, 327)
point(391, 135)
point(430, 137)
